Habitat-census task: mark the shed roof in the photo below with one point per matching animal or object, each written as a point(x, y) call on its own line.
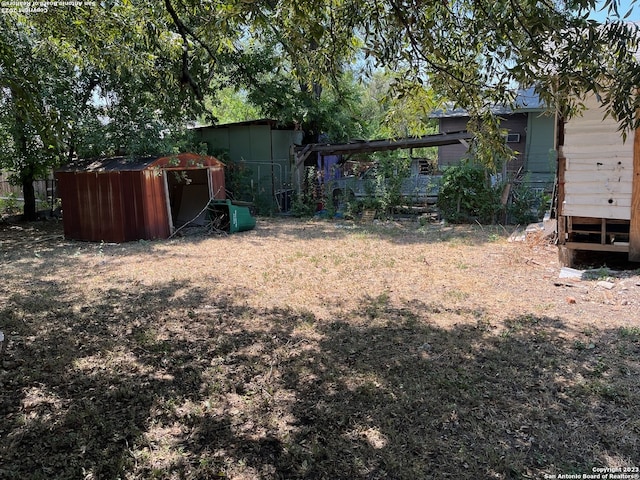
point(133, 164)
point(274, 124)
point(368, 146)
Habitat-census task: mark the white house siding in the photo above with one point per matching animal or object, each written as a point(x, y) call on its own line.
point(599, 166)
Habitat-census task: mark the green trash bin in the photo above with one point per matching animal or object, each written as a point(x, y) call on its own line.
point(230, 217)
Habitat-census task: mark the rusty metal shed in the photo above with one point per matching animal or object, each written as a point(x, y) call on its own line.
point(122, 199)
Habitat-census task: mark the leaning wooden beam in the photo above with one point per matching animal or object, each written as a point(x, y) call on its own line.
point(634, 227)
point(436, 140)
point(301, 154)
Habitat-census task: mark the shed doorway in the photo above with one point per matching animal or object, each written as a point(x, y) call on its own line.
point(189, 192)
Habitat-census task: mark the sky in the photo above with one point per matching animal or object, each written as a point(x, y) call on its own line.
point(624, 7)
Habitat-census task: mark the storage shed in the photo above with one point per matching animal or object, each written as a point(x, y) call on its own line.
point(263, 146)
point(122, 199)
point(598, 186)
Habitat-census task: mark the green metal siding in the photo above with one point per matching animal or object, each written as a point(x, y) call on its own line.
point(264, 151)
point(250, 143)
point(540, 153)
point(217, 139)
point(281, 141)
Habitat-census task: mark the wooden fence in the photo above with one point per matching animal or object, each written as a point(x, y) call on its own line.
point(45, 192)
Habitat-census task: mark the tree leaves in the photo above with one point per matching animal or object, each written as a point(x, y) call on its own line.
point(145, 68)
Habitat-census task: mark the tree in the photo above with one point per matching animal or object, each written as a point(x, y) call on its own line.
point(33, 114)
point(231, 105)
point(73, 84)
point(152, 67)
point(472, 53)
point(396, 113)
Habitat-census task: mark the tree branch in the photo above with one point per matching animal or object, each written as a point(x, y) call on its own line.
point(416, 47)
point(185, 32)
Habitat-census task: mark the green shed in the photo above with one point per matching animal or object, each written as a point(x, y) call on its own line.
point(264, 148)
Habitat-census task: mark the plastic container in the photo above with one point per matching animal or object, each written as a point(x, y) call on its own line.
point(230, 217)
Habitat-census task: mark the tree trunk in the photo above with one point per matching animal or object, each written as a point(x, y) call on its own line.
point(27, 171)
point(29, 195)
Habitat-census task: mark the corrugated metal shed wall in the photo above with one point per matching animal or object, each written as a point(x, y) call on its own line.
point(252, 144)
point(132, 182)
point(67, 188)
point(156, 214)
point(217, 138)
point(113, 206)
point(119, 205)
point(92, 206)
point(264, 149)
point(599, 166)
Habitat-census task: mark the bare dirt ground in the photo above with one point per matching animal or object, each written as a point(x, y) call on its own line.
point(314, 349)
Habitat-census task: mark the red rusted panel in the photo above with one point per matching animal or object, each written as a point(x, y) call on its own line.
point(95, 208)
point(217, 182)
point(88, 198)
point(156, 216)
point(131, 184)
point(111, 206)
point(118, 200)
point(68, 192)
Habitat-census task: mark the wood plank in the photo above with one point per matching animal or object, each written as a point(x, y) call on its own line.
point(566, 256)
point(587, 148)
point(591, 188)
point(436, 140)
point(590, 156)
point(597, 247)
point(562, 220)
point(562, 167)
point(586, 220)
point(601, 177)
point(634, 228)
point(597, 211)
point(604, 136)
point(584, 231)
point(598, 200)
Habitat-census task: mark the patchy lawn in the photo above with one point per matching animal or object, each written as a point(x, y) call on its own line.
point(308, 349)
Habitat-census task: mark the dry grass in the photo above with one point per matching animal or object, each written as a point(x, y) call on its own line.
point(310, 349)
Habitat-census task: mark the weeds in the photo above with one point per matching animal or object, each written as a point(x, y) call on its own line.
point(629, 333)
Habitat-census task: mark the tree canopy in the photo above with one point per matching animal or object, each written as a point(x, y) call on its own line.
point(122, 74)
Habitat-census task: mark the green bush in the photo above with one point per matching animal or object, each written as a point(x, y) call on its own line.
point(303, 205)
point(9, 205)
point(526, 205)
point(466, 195)
point(523, 205)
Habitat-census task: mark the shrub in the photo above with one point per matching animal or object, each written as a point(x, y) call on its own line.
point(466, 194)
point(311, 198)
point(9, 205)
point(526, 204)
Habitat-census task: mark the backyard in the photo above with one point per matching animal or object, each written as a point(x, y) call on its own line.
point(314, 349)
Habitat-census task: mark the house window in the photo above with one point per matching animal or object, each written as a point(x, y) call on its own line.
point(513, 138)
